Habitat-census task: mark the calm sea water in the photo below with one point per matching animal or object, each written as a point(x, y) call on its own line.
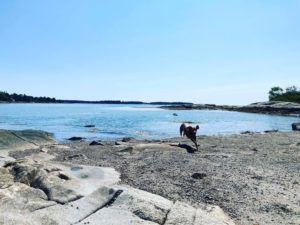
point(139, 121)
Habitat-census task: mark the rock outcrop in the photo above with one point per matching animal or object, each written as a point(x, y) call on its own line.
point(272, 107)
point(24, 139)
point(34, 192)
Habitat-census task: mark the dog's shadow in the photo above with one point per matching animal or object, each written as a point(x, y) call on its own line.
point(187, 147)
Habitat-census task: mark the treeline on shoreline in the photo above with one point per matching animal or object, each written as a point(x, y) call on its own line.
point(290, 94)
point(6, 97)
point(22, 98)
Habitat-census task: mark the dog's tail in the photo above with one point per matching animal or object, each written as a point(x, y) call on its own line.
point(182, 128)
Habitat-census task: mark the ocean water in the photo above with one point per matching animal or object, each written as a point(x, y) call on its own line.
point(138, 121)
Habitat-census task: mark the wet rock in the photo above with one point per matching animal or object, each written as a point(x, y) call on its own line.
point(76, 138)
point(296, 126)
point(247, 132)
point(271, 131)
point(96, 143)
point(126, 139)
point(63, 176)
point(89, 126)
point(175, 114)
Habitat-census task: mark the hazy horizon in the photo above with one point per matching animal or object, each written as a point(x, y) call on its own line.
point(221, 52)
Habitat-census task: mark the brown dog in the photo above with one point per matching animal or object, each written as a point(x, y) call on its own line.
point(190, 132)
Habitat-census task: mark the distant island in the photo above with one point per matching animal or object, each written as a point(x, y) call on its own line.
point(23, 98)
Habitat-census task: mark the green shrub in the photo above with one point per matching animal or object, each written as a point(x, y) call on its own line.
point(291, 94)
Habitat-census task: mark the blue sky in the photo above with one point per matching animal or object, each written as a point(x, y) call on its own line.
point(224, 52)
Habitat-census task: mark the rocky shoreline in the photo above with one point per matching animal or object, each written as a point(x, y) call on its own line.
point(272, 107)
point(252, 177)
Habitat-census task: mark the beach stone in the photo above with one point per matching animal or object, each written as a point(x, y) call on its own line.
point(126, 139)
point(296, 126)
point(95, 143)
point(76, 138)
point(199, 176)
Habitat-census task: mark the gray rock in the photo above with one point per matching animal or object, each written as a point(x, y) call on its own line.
point(95, 143)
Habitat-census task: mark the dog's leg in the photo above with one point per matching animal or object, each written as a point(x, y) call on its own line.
point(194, 140)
